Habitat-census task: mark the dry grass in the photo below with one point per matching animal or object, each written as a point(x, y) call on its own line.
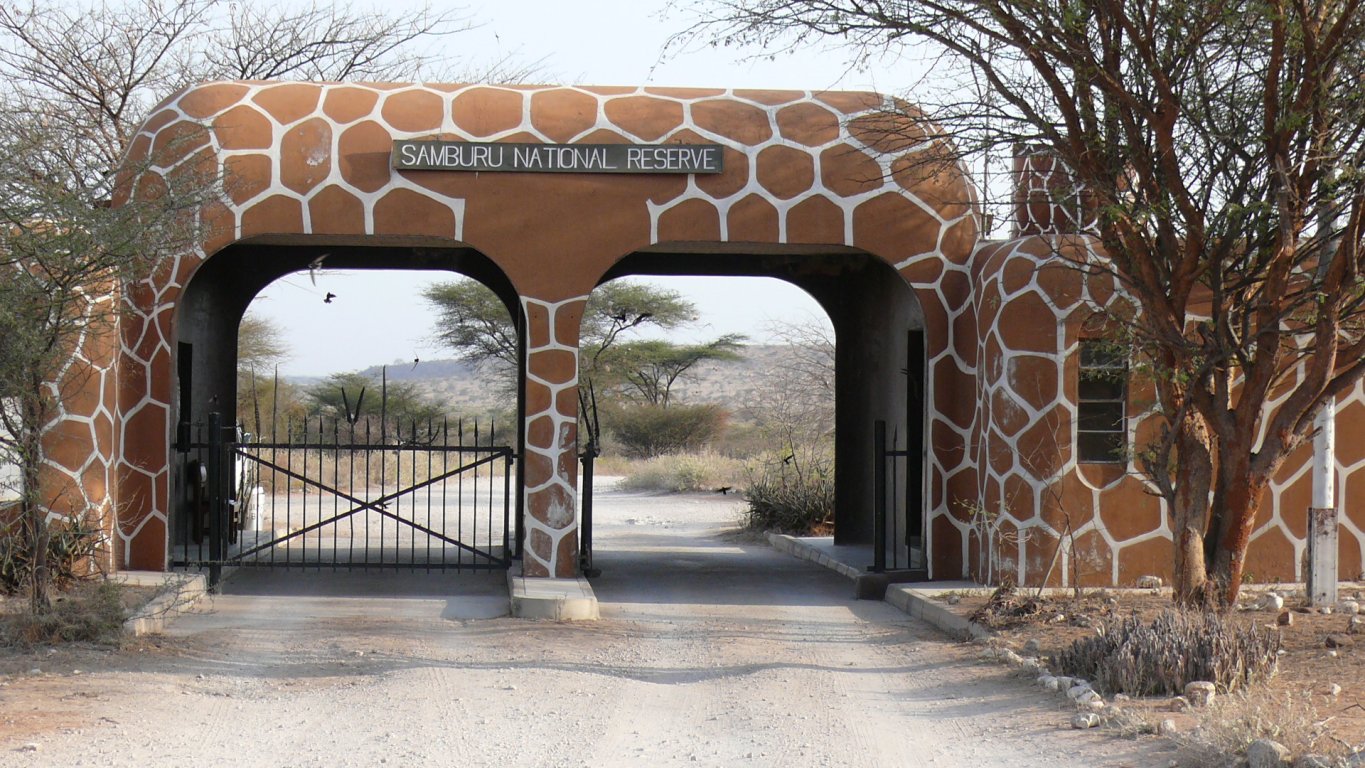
point(348, 471)
point(678, 473)
point(1233, 721)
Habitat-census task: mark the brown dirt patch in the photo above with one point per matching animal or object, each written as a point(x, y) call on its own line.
point(1307, 670)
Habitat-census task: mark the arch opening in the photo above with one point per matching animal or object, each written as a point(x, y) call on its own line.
point(879, 371)
point(383, 457)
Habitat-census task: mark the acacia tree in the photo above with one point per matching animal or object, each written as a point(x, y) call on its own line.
point(75, 83)
point(475, 323)
point(1219, 148)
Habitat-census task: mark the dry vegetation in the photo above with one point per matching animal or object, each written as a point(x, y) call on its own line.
point(1313, 704)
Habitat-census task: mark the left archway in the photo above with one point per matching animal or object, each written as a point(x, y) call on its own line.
point(203, 329)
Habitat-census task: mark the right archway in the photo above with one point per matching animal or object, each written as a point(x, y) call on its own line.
point(880, 368)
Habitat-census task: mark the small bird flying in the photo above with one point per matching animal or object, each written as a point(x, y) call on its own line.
point(328, 298)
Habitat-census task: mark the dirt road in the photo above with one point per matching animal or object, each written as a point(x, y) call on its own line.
point(712, 650)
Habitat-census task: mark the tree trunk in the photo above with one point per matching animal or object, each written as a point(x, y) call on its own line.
point(1240, 493)
point(1190, 516)
point(35, 523)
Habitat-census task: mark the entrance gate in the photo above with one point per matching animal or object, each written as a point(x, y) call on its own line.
point(345, 495)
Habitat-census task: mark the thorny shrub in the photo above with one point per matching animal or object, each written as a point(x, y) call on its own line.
point(88, 613)
point(788, 501)
point(72, 549)
point(1177, 647)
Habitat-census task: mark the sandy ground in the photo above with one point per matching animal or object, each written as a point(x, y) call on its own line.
point(712, 650)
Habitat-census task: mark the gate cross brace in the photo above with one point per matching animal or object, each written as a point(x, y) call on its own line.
point(361, 505)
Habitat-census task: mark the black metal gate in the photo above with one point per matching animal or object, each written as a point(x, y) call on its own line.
point(433, 496)
point(898, 540)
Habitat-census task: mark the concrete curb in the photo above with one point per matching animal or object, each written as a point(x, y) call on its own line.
point(179, 593)
point(910, 600)
point(553, 599)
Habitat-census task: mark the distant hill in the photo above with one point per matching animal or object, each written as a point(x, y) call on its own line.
point(731, 383)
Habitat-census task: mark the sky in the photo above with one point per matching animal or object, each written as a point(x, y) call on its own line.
point(587, 42)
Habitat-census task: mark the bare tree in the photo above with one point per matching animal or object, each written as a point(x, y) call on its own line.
point(75, 84)
point(1215, 152)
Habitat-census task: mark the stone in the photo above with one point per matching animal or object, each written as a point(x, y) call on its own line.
point(1046, 680)
point(1075, 692)
point(1032, 647)
point(1286, 619)
point(1312, 761)
point(1332, 654)
point(1200, 693)
point(1334, 690)
point(954, 599)
point(1149, 582)
point(1326, 610)
point(1349, 607)
point(1272, 602)
point(1356, 624)
point(32, 746)
point(1167, 727)
point(1339, 641)
point(1089, 696)
point(1264, 753)
point(1011, 658)
point(1122, 698)
point(1178, 704)
point(1063, 683)
point(1082, 720)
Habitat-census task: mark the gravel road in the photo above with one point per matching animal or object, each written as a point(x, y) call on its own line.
point(712, 650)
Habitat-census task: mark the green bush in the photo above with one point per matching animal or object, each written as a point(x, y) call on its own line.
point(1178, 647)
point(792, 502)
point(647, 431)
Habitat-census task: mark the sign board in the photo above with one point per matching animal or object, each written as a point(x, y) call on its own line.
point(428, 155)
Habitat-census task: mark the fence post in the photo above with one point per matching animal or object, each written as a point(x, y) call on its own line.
point(585, 526)
point(879, 497)
point(216, 501)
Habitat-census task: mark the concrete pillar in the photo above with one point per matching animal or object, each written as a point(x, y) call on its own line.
point(1322, 517)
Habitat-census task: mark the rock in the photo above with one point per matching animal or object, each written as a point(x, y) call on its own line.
point(1272, 602)
point(1312, 761)
point(954, 599)
point(1149, 582)
point(32, 746)
point(1063, 684)
point(1286, 619)
point(1122, 698)
point(1178, 704)
point(1200, 693)
point(1011, 658)
point(1356, 624)
point(1048, 681)
point(1167, 728)
point(1332, 654)
point(1083, 720)
point(1334, 690)
point(1349, 607)
point(1339, 641)
point(1326, 610)
point(1089, 697)
point(1058, 618)
point(1031, 647)
point(1075, 692)
point(1355, 760)
point(1264, 753)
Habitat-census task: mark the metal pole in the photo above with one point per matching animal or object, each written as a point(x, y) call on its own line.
point(215, 491)
point(585, 530)
point(879, 497)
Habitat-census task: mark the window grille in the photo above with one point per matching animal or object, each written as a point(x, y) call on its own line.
point(1102, 404)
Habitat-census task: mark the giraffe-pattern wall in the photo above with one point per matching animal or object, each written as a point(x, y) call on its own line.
point(814, 171)
point(1032, 309)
